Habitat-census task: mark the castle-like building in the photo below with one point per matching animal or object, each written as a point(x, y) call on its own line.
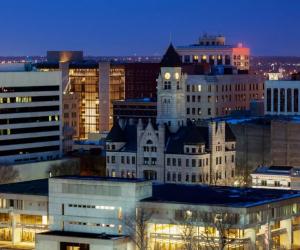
point(173, 149)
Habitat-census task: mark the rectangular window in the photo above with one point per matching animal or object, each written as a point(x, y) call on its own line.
point(122, 159)
point(132, 160)
point(168, 161)
point(296, 100)
point(282, 100)
point(193, 163)
point(174, 161)
point(269, 100)
point(187, 162)
point(146, 161)
point(275, 98)
point(179, 162)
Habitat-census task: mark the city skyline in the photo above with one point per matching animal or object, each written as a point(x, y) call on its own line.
point(120, 28)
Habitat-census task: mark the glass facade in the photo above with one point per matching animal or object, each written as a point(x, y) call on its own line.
point(85, 82)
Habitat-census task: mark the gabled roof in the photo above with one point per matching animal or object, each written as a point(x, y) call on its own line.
point(229, 135)
point(171, 58)
point(190, 134)
point(116, 134)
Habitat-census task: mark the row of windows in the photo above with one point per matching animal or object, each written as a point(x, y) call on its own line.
point(150, 149)
point(26, 99)
point(28, 130)
point(30, 119)
point(29, 140)
point(128, 160)
point(24, 151)
point(179, 177)
point(28, 89)
point(188, 162)
point(124, 173)
point(150, 161)
point(292, 100)
point(92, 206)
point(90, 224)
point(73, 115)
point(29, 109)
point(224, 88)
point(199, 111)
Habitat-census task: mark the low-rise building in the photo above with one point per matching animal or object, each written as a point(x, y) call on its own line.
point(93, 213)
point(214, 50)
point(282, 97)
point(276, 177)
point(23, 211)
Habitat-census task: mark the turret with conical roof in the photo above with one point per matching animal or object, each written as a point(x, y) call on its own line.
point(171, 91)
point(171, 58)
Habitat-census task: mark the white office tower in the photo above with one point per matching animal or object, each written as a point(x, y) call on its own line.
point(30, 113)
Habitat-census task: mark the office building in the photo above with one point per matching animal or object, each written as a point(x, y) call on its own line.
point(30, 115)
point(214, 51)
point(91, 87)
point(282, 97)
point(209, 96)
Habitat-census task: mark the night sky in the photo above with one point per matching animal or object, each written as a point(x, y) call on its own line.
point(143, 27)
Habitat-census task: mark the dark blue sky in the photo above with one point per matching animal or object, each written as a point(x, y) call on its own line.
point(143, 27)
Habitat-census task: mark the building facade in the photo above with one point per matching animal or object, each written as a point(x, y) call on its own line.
point(171, 149)
point(215, 51)
point(276, 177)
point(135, 109)
point(210, 96)
point(95, 213)
point(282, 97)
point(30, 116)
point(23, 212)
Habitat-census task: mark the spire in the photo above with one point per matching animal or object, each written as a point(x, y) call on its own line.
point(171, 58)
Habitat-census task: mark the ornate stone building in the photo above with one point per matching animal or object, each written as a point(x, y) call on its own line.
point(172, 150)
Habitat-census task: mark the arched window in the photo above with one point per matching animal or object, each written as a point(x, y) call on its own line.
point(149, 142)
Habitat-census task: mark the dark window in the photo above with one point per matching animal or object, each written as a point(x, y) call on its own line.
point(282, 100)
point(289, 100)
point(29, 119)
point(29, 140)
point(269, 99)
point(275, 97)
point(33, 129)
point(28, 89)
point(296, 100)
point(28, 109)
point(24, 151)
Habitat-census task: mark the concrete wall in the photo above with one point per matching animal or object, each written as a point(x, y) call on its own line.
point(252, 146)
point(285, 143)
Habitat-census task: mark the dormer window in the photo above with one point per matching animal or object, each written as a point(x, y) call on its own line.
point(113, 147)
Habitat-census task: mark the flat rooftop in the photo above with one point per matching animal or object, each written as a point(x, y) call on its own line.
point(218, 195)
point(35, 187)
point(98, 178)
point(101, 236)
point(259, 120)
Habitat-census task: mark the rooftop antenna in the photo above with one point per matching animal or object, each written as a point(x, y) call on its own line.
point(170, 37)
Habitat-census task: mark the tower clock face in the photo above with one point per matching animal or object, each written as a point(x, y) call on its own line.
point(167, 75)
point(176, 75)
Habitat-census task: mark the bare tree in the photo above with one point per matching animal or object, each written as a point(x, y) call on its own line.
point(137, 227)
point(8, 174)
point(64, 168)
point(195, 239)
